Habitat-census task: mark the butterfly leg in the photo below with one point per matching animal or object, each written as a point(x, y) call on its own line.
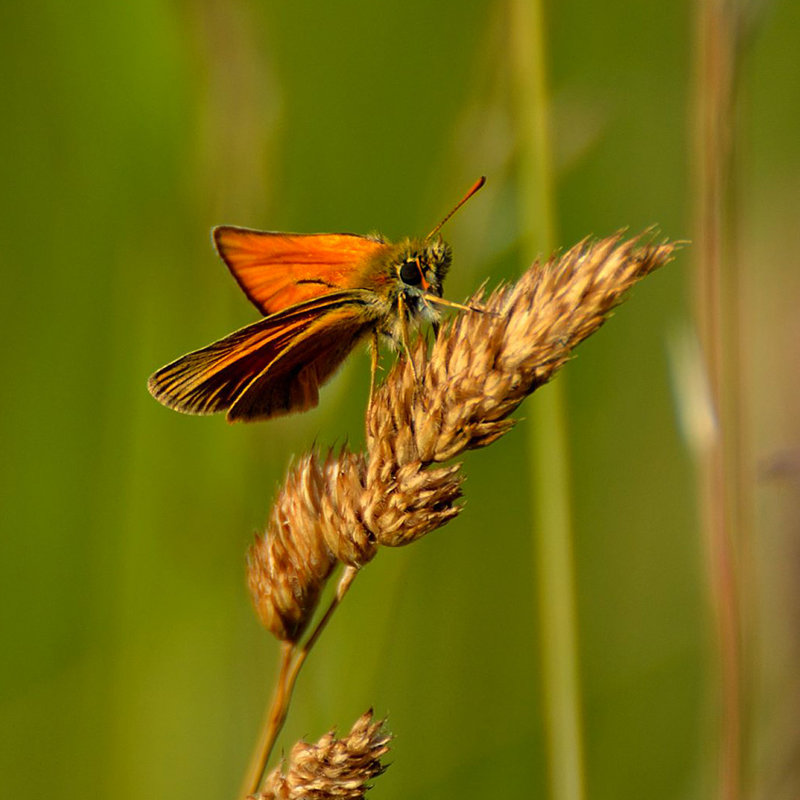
point(401, 312)
point(373, 350)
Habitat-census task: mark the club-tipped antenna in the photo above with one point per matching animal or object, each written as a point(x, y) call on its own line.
point(477, 185)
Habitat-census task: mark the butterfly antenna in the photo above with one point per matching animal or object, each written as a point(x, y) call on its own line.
point(477, 185)
point(440, 301)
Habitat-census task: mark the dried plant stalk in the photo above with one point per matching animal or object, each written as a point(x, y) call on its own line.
point(339, 508)
point(458, 397)
point(331, 768)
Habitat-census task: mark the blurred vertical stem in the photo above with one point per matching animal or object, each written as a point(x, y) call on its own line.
point(548, 438)
point(724, 486)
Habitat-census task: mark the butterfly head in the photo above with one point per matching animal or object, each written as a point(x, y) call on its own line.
point(421, 268)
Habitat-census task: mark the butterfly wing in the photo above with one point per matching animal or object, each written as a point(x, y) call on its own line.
point(272, 367)
point(279, 270)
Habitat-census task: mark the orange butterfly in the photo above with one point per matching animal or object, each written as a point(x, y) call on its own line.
point(320, 294)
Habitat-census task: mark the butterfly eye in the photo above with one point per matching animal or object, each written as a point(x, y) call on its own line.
point(411, 272)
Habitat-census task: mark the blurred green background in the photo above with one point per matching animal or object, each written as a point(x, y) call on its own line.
point(132, 664)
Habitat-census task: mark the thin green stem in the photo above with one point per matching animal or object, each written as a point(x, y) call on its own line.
point(556, 582)
point(548, 433)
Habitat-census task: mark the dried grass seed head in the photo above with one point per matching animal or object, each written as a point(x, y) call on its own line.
point(332, 768)
point(482, 366)
point(315, 523)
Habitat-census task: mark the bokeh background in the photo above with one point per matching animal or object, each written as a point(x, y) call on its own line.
point(132, 665)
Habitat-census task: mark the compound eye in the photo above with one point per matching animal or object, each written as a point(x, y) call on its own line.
point(411, 273)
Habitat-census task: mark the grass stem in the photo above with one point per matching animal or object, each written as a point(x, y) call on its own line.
point(291, 662)
point(548, 446)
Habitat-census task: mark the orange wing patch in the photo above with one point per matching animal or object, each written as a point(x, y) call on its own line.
point(278, 270)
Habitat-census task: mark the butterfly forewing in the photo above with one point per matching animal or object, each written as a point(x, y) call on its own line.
point(278, 270)
point(273, 366)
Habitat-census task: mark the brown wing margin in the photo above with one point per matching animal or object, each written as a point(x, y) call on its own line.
point(279, 270)
point(271, 367)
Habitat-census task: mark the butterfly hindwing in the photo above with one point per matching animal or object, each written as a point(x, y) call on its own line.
point(271, 367)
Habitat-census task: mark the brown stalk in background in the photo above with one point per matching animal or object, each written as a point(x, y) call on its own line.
point(340, 508)
point(722, 311)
